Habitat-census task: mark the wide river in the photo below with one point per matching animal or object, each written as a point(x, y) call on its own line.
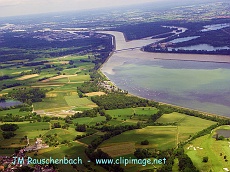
point(200, 82)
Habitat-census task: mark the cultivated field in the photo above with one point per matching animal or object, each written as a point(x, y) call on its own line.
point(27, 77)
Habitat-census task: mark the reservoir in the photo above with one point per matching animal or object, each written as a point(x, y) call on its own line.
point(9, 103)
point(194, 81)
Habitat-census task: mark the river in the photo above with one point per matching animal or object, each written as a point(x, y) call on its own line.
point(198, 82)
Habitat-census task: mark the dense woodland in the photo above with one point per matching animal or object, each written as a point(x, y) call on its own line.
point(28, 95)
point(27, 47)
point(143, 30)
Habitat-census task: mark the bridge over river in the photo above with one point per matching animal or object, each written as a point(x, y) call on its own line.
point(193, 81)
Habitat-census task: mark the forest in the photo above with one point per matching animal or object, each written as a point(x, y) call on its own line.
point(143, 30)
point(27, 47)
point(28, 95)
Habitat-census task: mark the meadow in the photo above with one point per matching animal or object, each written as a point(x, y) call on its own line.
point(14, 112)
point(89, 121)
point(130, 115)
point(215, 150)
point(186, 125)
point(159, 137)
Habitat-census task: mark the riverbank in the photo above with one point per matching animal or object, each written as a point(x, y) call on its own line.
point(117, 60)
point(192, 57)
point(181, 107)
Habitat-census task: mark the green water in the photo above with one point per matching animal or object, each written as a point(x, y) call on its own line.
point(203, 86)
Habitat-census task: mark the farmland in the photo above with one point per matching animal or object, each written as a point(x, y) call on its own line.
point(131, 115)
point(160, 137)
point(186, 125)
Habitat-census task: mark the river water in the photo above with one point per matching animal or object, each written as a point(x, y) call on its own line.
point(199, 82)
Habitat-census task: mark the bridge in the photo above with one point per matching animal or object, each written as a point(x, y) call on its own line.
point(127, 49)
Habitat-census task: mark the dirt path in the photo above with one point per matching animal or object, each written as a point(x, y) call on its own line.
point(83, 144)
point(134, 111)
point(177, 137)
point(50, 125)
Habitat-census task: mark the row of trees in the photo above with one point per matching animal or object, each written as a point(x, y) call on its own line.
point(182, 51)
point(120, 101)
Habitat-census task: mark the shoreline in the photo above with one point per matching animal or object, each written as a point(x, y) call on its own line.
point(196, 57)
point(182, 107)
point(214, 60)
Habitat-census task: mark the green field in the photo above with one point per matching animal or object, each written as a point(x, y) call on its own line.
point(79, 102)
point(159, 137)
point(87, 140)
point(207, 146)
point(187, 125)
point(52, 102)
point(131, 115)
point(31, 130)
point(60, 99)
point(89, 121)
point(42, 129)
point(13, 112)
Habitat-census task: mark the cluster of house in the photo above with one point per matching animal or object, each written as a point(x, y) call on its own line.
point(162, 46)
point(19, 160)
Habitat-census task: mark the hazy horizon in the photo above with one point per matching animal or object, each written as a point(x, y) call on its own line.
point(9, 8)
point(26, 7)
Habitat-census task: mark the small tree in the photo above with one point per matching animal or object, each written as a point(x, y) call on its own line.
point(145, 142)
point(205, 159)
point(221, 138)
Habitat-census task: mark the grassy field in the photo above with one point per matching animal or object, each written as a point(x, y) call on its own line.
point(214, 150)
point(131, 115)
point(89, 121)
point(162, 137)
point(87, 140)
point(31, 130)
point(159, 137)
point(13, 112)
point(79, 102)
point(42, 129)
point(60, 100)
point(186, 125)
